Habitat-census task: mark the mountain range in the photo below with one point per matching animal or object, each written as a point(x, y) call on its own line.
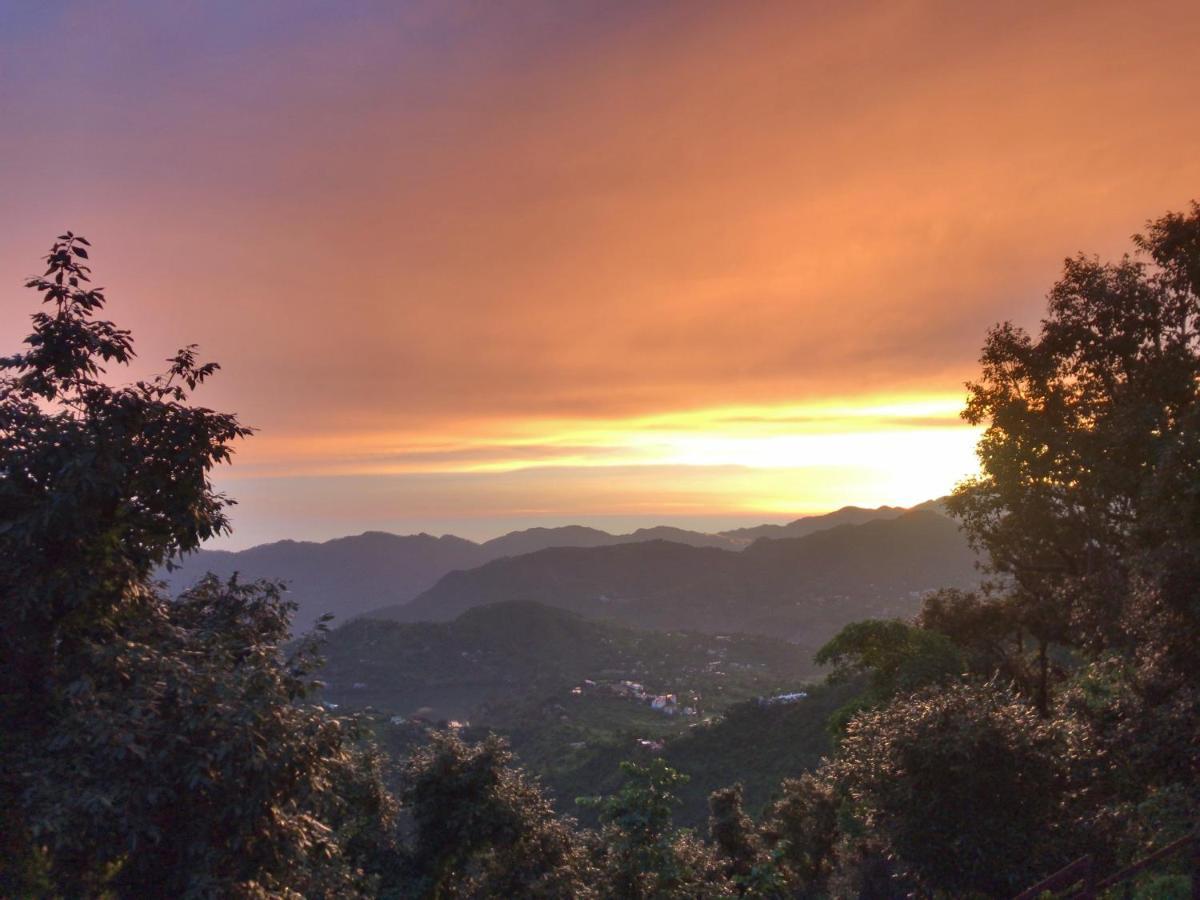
point(803, 589)
point(847, 515)
point(353, 575)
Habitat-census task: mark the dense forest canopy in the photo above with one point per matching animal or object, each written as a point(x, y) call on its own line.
point(173, 747)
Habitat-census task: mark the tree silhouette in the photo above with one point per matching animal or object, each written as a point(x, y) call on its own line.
point(149, 746)
point(1087, 502)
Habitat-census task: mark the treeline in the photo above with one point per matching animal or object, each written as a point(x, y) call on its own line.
point(172, 748)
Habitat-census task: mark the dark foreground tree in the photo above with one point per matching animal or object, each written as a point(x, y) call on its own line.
point(148, 746)
point(184, 762)
point(1088, 499)
point(801, 828)
point(1088, 508)
point(481, 828)
point(966, 789)
point(751, 867)
point(640, 852)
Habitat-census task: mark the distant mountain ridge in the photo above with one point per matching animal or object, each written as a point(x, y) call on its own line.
point(348, 576)
point(516, 543)
point(847, 515)
point(802, 589)
point(344, 576)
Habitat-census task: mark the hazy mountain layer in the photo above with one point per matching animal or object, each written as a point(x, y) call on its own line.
point(350, 575)
point(801, 589)
point(345, 576)
point(847, 515)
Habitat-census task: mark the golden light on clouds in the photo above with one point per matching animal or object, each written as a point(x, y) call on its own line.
point(483, 261)
point(780, 460)
point(845, 432)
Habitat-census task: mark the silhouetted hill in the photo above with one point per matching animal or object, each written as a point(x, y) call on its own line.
point(345, 576)
point(596, 581)
point(802, 589)
point(350, 575)
point(847, 515)
point(516, 543)
point(531, 540)
point(682, 536)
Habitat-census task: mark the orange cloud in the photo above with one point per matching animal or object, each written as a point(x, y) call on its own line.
point(443, 238)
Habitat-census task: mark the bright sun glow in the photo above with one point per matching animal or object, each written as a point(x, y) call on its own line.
point(778, 458)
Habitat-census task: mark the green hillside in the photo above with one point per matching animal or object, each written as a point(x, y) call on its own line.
point(557, 686)
point(493, 657)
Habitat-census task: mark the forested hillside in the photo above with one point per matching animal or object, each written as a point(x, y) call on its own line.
point(509, 651)
point(575, 697)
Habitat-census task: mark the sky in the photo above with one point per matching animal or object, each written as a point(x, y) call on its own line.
point(471, 267)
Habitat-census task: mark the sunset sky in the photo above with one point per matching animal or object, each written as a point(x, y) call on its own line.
point(472, 267)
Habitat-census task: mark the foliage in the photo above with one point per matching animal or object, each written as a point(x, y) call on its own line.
point(639, 851)
point(481, 828)
point(893, 655)
point(1145, 796)
point(189, 737)
point(986, 630)
point(1091, 453)
point(100, 484)
point(757, 745)
point(1088, 508)
point(747, 863)
point(801, 826)
point(148, 743)
point(954, 780)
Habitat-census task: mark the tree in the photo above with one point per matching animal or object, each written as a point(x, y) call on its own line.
point(482, 828)
point(183, 761)
point(988, 629)
point(97, 487)
point(148, 742)
point(801, 828)
point(640, 852)
point(1143, 793)
point(893, 655)
point(956, 781)
point(748, 864)
point(1087, 509)
point(1088, 499)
